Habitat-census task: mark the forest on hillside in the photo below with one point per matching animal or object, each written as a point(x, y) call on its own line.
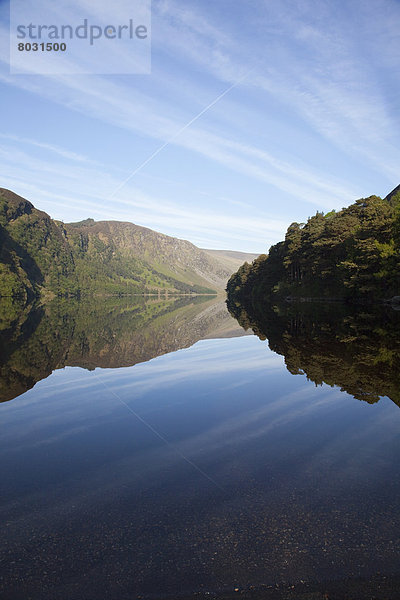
point(352, 255)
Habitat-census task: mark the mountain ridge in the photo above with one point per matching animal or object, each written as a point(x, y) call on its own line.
point(43, 256)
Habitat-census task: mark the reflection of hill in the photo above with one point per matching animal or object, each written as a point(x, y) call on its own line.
point(114, 333)
point(124, 337)
point(356, 349)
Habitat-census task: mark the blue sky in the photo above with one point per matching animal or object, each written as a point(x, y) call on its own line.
point(310, 121)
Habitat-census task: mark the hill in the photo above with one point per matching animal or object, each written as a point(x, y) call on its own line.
point(34, 250)
point(351, 255)
point(39, 255)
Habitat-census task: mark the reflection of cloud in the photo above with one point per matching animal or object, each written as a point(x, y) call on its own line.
point(205, 359)
point(75, 397)
point(243, 394)
point(278, 412)
point(349, 454)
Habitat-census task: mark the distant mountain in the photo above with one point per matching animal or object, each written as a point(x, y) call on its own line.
point(39, 255)
point(231, 259)
point(126, 248)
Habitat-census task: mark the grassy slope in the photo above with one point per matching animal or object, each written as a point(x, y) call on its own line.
point(41, 256)
point(171, 257)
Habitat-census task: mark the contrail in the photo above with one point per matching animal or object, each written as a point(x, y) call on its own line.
point(117, 189)
point(173, 137)
point(161, 437)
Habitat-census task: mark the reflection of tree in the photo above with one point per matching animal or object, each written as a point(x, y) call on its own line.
point(109, 333)
point(357, 349)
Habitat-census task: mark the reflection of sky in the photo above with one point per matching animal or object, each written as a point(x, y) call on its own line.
point(224, 411)
point(212, 399)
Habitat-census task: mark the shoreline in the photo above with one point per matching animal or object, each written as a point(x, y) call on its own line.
point(378, 587)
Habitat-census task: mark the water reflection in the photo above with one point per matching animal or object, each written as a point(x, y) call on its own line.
point(355, 348)
point(37, 339)
point(98, 505)
point(201, 471)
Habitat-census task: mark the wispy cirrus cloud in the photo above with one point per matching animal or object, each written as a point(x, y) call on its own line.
point(119, 105)
point(82, 188)
point(115, 104)
point(321, 73)
point(308, 114)
point(52, 148)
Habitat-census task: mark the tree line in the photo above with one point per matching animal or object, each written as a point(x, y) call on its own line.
point(352, 254)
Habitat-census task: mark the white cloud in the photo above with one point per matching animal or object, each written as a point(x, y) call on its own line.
point(310, 65)
point(325, 80)
point(53, 149)
point(84, 187)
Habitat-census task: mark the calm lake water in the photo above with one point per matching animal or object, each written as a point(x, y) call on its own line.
point(153, 450)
